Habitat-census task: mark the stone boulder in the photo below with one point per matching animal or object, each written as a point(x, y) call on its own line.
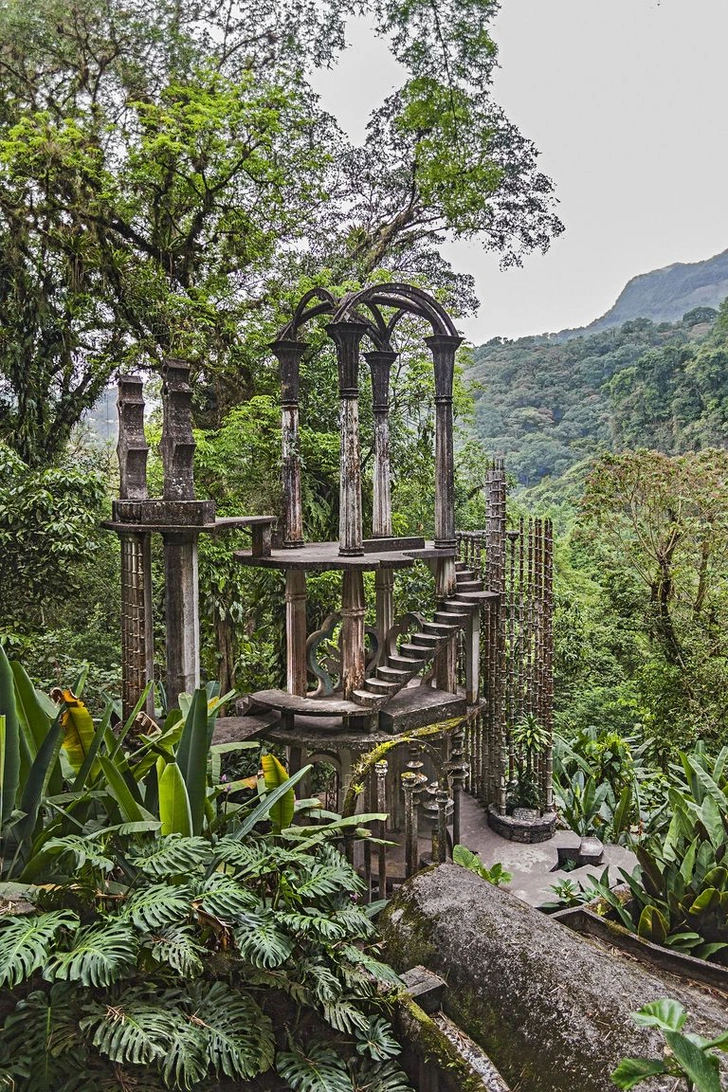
point(549, 1007)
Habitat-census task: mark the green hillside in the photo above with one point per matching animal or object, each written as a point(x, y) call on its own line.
point(545, 403)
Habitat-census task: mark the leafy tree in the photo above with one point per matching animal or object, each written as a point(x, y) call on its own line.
point(168, 180)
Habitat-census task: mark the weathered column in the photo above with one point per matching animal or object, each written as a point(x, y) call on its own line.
point(472, 658)
point(289, 355)
point(296, 673)
point(352, 631)
point(380, 364)
point(137, 634)
point(443, 348)
point(347, 336)
point(180, 548)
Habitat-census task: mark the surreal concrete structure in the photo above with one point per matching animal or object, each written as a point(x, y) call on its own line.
point(462, 671)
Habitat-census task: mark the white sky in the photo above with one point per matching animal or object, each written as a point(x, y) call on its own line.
point(627, 100)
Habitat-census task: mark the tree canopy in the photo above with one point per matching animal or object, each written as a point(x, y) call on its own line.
point(168, 182)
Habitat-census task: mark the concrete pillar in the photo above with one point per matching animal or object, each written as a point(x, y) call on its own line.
point(380, 364)
point(352, 631)
point(347, 336)
point(182, 610)
point(443, 347)
point(137, 634)
point(137, 631)
point(296, 673)
point(289, 355)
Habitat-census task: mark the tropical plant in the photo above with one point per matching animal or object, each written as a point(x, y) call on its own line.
point(496, 874)
point(689, 1057)
point(529, 739)
point(164, 956)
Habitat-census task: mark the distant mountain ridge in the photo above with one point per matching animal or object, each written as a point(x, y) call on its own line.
point(665, 295)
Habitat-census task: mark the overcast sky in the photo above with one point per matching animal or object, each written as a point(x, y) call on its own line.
point(627, 102)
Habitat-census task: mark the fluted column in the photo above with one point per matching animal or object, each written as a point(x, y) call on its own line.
point(296, 673)
point(288, 354)
point(182, 606)
point(352, 631)
point(380, 364)
point(347, 337)
point(443, 348)
point(137, 633)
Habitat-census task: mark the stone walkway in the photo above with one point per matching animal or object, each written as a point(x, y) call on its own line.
point(534, 867)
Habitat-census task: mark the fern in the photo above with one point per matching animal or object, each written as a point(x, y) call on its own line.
point(317, 1070)
point(158, 906)
point(102, 954)
point(225, 897)
point(26, 942)
point(239, 1036)
point(173, 855)
point(260, 942)
point(175, 946)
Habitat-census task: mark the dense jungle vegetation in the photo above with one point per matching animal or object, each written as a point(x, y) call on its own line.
point(170, 186)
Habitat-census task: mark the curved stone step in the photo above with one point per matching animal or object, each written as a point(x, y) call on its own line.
point(419, 652)
point(397, 674)
point(469, 585)
point(367, 699)
point(440, 629)
point(382, 687)
point(475, 598)
point(454, 618)
point(428, 640)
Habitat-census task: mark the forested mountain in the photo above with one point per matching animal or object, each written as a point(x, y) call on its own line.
point(664, 295)
point(546, 403)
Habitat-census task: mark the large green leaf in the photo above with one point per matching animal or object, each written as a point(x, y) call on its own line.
point(317, 1069)
point(192, 757)
point(131, 811)
point(174, 802)
point(259, 813)
point(275, 774)
point(26, 943)
point(78, 727)
point(240, 1042)
point(101, 955)
point(10, 769)
point(700, 1067)
point(666, 1014)
point(39, 778)
point(35, 721)
point(632, 1071)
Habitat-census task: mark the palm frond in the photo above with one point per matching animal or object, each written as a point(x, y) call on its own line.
point(26, 943)
point(159, 905)
point(173, 855)
point(316, 1070)
point(261, 942)
point(101, 954)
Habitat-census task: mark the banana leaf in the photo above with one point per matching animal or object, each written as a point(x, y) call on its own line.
point(174, 803)
point(275, 774)
point(10, 769)
point(192, 754)
point(78, 728)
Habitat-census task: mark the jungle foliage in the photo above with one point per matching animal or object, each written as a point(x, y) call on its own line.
point(549, 402)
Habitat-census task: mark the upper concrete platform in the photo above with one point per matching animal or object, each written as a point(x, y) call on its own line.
point(389, 553)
